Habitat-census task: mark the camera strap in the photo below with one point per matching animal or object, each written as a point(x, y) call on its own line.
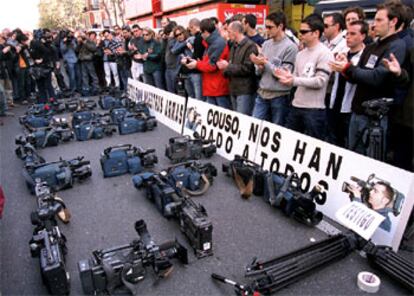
point(201, 191)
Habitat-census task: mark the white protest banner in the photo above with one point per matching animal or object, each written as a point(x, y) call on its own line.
point(233, 132)
point(359, 218)
point(384, 188)
point(338, 171)
point(168, 108)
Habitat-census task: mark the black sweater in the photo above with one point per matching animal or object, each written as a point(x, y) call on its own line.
point(372, 78)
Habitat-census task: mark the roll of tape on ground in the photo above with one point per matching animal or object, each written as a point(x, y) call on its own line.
point(368, 282)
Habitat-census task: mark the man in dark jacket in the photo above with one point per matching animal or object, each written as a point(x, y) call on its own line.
point(240, 69)
point(42, 69)
point(215, 85)
point(123, 59)
point(373, 79)
point(193, 83)
point(4, 76)
point(87, 49)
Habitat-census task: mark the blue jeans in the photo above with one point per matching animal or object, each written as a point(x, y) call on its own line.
point(222, 101)
point(74, 76)
point(243, 103)
point(358, 133)
point(154, 79)
point(3, 100)
point(170, 80)
point(193, 86)
point(123, 76)
point(308, 121)
point(88, 70)
point(274, 110)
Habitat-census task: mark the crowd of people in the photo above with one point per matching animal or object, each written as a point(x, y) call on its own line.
point(318, 84)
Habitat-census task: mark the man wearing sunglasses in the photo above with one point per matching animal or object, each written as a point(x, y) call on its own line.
point(334, 25)
point(311, 77)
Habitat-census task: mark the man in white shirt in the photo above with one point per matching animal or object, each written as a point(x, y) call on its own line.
point(334, 33)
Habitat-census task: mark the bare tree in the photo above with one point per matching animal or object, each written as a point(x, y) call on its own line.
point(108, 13)
point(59, 14)
point(121, 10)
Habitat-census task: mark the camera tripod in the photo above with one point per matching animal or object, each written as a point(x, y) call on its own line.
point(372, 136)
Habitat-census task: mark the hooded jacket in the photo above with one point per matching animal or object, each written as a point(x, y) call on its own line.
point(214, 82)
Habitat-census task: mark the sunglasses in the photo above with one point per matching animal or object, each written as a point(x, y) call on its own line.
point(270, 27)
point(145, 35)
point(179, 34)
point(303, 32)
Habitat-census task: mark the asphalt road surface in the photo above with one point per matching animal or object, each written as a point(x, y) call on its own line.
point(104, 212)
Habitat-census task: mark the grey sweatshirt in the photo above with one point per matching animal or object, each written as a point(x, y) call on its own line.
point(280, 53)
point(311, 76)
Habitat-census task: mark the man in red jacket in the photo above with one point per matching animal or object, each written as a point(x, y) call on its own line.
point(215, 85)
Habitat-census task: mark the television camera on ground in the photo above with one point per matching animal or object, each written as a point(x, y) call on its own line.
point(48, 243)
point(173, 203)
point(126, 265)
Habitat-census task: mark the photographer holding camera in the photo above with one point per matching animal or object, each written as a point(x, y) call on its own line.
point(68, 47)
point(41, 70)
point(87, 50)
point(379, 198)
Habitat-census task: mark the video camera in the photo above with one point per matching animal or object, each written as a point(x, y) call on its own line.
point(126, 265)
point(35, 121)
point(171, 202)
point(136, 122)
point(48, 206)
point(48, 243)
point(52, 135)
point(279, 190)
point(377, 108)
point(248, 176)
point(125, 158)
point(38, 34)
point(183, 148)
point(26, 152)
point(284, 192)
point(365, 187)
point(39, 110)
point(110, 102)
point(194, 178)
point(59, 174)
point(94, 129)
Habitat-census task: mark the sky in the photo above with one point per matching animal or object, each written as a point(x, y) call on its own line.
point(19, 13)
